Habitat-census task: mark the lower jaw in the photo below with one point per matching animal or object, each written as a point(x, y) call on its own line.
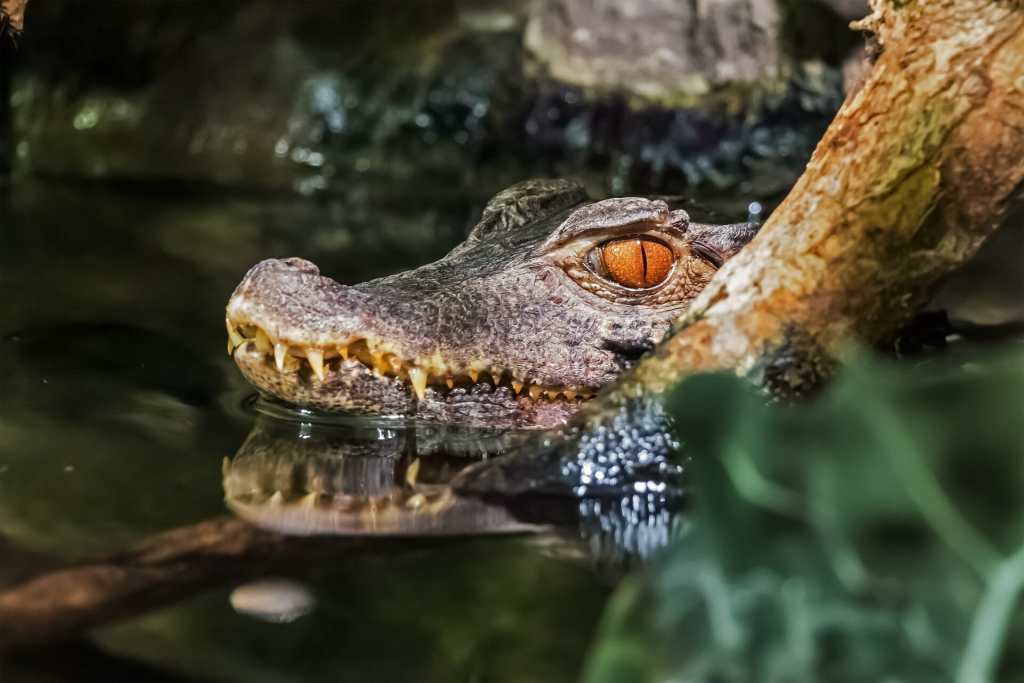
point(352, 388)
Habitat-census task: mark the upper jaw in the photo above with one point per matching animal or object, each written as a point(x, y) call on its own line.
point(312, 341)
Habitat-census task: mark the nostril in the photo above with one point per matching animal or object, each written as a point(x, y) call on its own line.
point(273, 278)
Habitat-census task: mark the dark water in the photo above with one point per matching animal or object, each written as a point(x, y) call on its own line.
point(122, 424)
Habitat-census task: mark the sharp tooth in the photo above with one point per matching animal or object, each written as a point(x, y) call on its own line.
point(262, 341)
point(450, 382)
point(343, 352)
point(416, 501)
point(316, 361)
point(309, 500)
point(517, 386)
point(535, 392)
point(570, 394)
point(280, 353)
point(277, 499)
point(418, 377)
point(234, 337)
point(474, 375)
point(496, 378)
point(552, 394)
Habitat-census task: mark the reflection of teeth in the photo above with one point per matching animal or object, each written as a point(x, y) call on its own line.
point(380, 358)
point(412, 473)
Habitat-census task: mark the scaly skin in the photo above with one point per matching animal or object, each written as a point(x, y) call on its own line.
point(513, 328)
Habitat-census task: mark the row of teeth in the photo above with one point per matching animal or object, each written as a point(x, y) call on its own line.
point(378, 358)
point(427, 502)
point(412, 496)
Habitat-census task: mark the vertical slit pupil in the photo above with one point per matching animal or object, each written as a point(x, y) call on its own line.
point(637, 262)
point(643, 256)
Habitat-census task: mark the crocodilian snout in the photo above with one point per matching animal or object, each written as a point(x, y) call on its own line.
point(719, 243)
point(291, 301)
point(311, 341)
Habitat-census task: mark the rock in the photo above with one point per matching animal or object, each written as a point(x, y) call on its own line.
point(432, 98)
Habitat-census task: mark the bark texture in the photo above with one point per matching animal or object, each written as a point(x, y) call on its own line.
point(12, 14)
point(919, 166)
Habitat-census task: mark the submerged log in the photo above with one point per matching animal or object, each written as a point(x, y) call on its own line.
point(918, 168)
point(164, 569)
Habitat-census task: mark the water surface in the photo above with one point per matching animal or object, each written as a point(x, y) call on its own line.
point(122, 415)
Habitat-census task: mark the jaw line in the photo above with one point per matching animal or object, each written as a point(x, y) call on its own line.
point(317, 361)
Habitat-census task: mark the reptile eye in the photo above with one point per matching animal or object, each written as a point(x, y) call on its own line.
point(634, 262)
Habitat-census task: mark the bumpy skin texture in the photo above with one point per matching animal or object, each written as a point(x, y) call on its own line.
point(517, 298)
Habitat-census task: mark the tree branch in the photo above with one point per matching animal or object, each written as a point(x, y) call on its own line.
point(12, 16)
point(918, 168)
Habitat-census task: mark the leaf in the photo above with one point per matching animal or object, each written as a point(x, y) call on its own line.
point(874, 534)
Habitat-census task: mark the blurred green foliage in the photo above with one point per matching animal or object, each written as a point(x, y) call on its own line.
point(875, 534)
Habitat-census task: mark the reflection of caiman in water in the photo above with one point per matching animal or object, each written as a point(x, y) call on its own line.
point(308, 495)
point(359, 477)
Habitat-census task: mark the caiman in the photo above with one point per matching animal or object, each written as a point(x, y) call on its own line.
point(547, 300)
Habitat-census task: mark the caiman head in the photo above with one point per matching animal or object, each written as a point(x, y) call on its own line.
point(548, 299)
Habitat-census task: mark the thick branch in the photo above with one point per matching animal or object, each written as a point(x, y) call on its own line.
point(917, 169)
point(12, 15)
point(162, 570)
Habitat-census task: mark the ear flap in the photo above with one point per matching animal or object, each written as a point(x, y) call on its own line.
point(526, 202)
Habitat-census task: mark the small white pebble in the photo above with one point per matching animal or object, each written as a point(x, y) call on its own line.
point(279, 601)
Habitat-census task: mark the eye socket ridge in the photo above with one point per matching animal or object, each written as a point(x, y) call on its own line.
point(635, 262)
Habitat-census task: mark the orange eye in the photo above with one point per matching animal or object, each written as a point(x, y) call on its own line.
point(634, 262)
